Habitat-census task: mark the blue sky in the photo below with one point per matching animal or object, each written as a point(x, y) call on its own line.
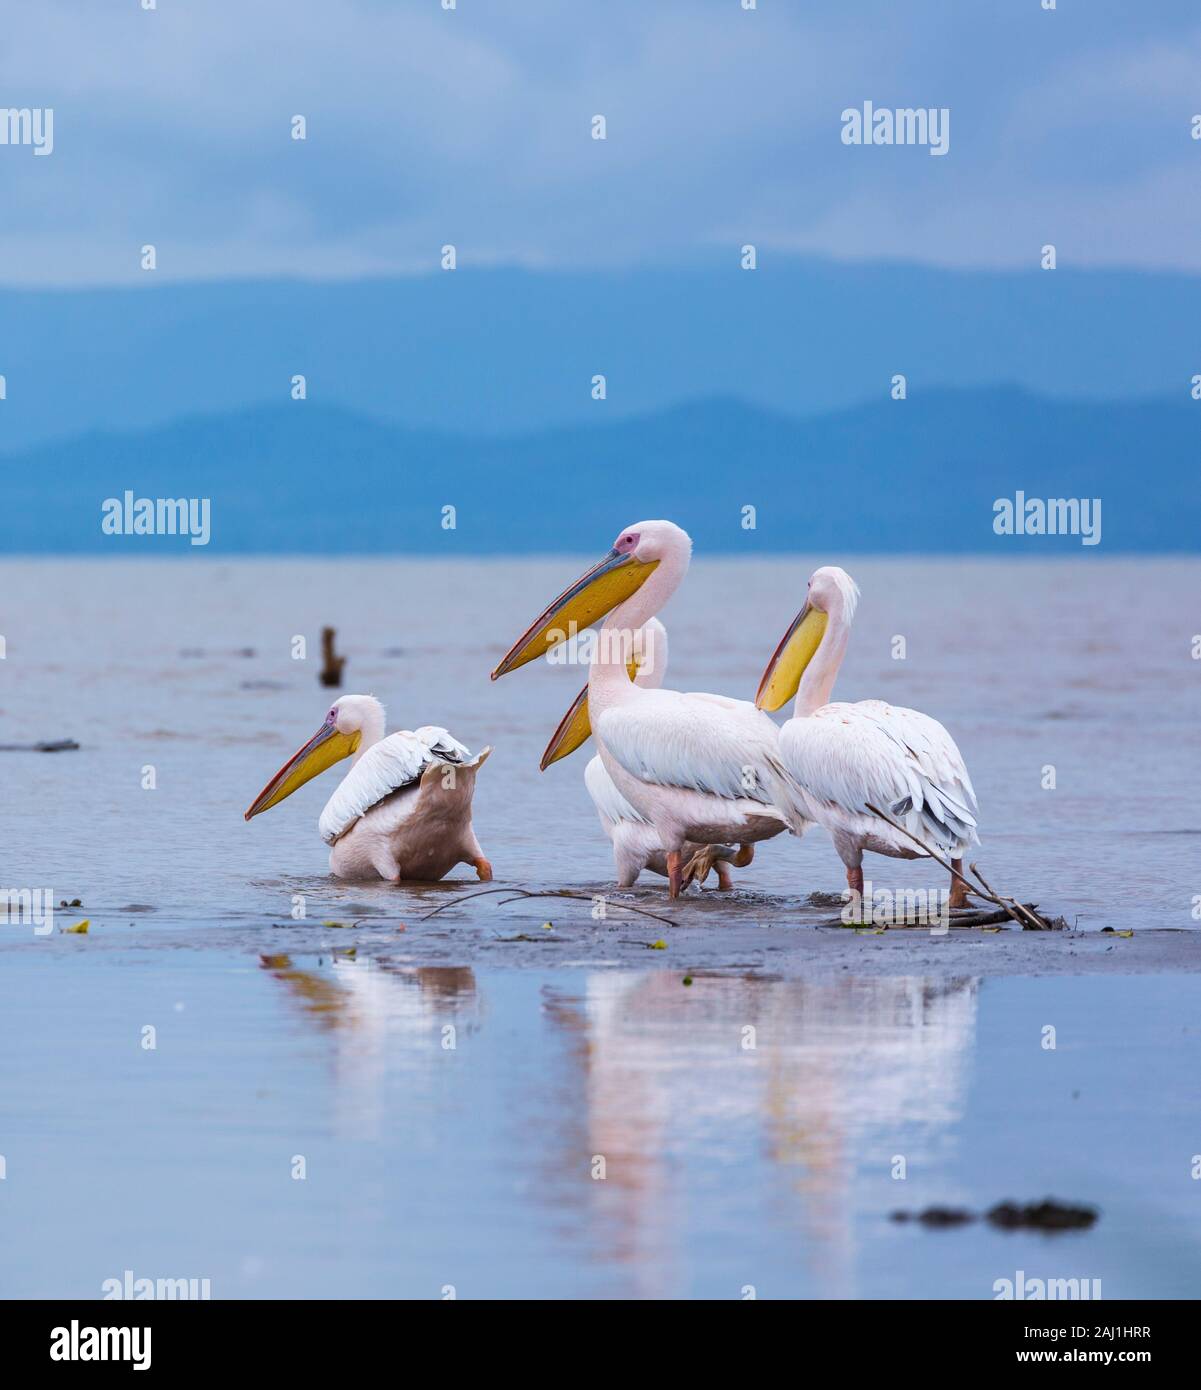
point(471, 126)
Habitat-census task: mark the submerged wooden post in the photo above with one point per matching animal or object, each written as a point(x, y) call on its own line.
point(331, 664)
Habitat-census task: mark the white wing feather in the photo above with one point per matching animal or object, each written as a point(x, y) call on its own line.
point(394, 762)
point(701, 743)
point(609, 802)
point(900, 760)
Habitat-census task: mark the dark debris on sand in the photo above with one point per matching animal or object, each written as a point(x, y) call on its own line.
point(937, 1217)
point(57, 745)
point(1047, 1215)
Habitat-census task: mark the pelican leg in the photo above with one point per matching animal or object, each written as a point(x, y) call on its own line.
point(386, 863)
point(958, 896)
point(699, 866)
point(628, 860)
point(724, 881)
point(483, 869)
point(675, 873)
point(855, 879)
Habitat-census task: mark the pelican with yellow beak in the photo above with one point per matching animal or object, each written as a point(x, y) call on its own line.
point(635, 846)
point(403, 811)
point(698, 768)
point(847, 756)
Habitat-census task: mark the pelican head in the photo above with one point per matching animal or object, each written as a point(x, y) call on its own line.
point(832, 593)
point(648, 666)
point(637, 552)
point(351, 721)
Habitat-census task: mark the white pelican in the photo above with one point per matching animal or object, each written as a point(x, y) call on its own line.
point(699, 768)
point(403, 811)
point(844, 756)
point(635, 846)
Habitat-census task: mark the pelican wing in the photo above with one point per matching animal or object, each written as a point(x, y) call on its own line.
point(699, 743)
point(723, 701)
point(609, 802)
point(389, 766)
point(846, 756)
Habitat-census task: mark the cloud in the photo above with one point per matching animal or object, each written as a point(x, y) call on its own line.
point(472, 126)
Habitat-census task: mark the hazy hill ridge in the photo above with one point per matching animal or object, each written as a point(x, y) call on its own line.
point(919, 475)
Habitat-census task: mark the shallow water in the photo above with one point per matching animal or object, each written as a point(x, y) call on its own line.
point(727, 1165)
point(1085, 668)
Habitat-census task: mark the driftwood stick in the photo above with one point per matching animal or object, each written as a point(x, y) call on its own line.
point(518, 893)
point(1031, 920)
point(586, 898)
point(331, 663)
point(946, 863)
point(462, 898)
point(960, 917)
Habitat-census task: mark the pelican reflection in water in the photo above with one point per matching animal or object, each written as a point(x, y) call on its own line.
point(724, 1103)
point(832, 1081)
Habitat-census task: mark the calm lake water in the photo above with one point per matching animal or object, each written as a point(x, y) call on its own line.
point(466, 1157)
point(1083, 668)
point(472, 1166)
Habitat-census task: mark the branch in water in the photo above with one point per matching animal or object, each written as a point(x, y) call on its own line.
point(1023, 916)
point(518, 893)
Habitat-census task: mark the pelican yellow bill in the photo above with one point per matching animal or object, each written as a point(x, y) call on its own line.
point(609, 582)
point(323, 750)
point(795, 652)
point(575, 727)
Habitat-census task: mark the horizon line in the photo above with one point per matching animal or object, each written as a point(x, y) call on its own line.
point(138, 281)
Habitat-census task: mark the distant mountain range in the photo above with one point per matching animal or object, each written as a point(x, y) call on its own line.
point(919, 475)
point(501, 351)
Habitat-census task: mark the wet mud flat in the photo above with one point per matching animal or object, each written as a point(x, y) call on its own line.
point(782, 951)
point(452, 924)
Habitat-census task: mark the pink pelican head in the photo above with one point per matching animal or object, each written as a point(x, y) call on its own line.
point(653, 554)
